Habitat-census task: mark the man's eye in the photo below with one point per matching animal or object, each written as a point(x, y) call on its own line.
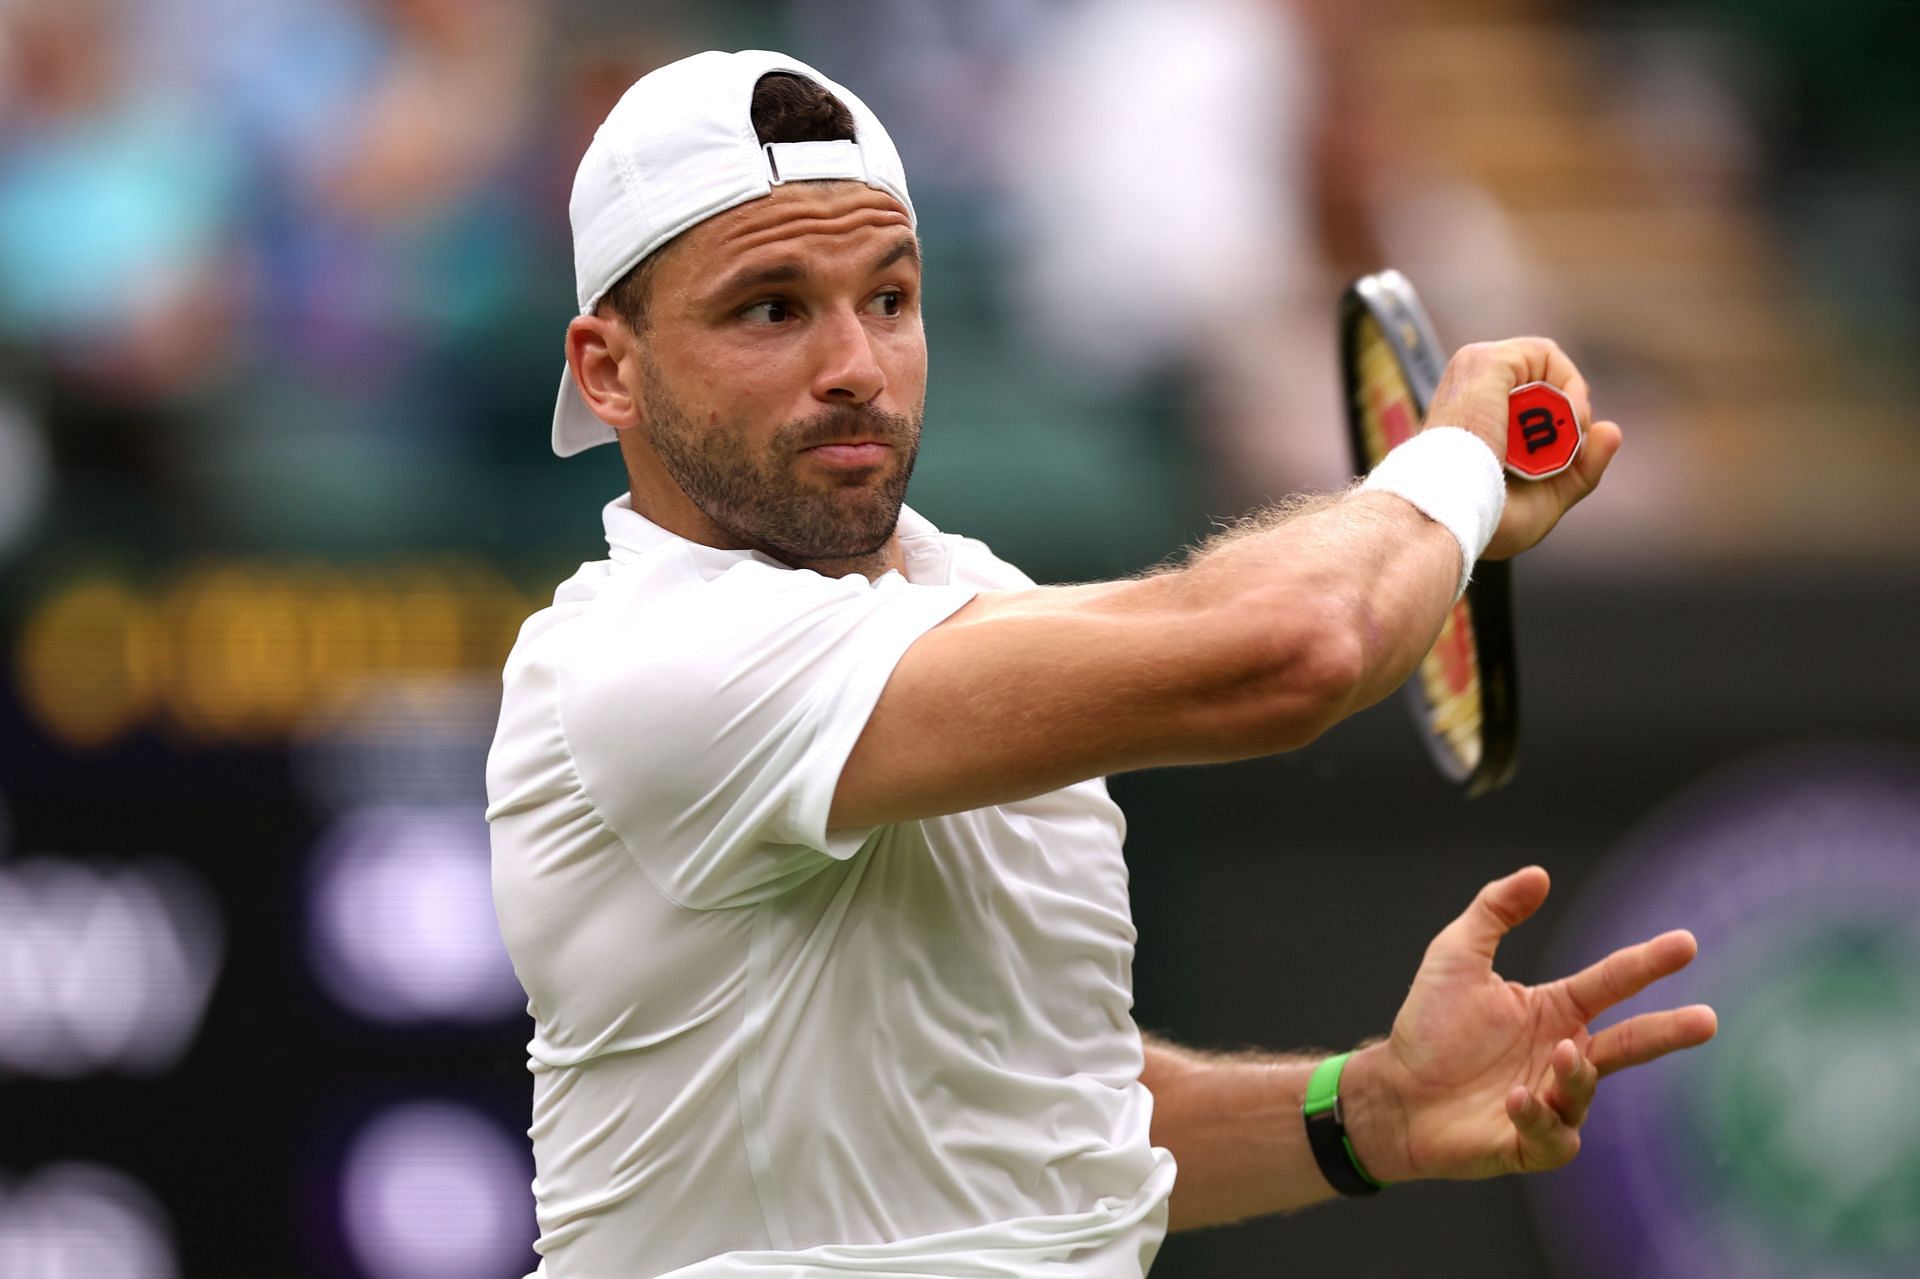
point(887, 304)
point(765, 312)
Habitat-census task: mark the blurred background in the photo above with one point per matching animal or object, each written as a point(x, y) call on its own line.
point(282, 288)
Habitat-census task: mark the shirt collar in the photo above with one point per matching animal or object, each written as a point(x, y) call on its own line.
point(631, 535)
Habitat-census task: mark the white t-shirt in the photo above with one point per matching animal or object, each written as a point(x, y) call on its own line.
point(763, 1048)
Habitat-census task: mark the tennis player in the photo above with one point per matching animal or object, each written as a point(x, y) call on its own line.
point(800, 845)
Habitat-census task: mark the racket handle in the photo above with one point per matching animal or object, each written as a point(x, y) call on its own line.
point(1544, 434)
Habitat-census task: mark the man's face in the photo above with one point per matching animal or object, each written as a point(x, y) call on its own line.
point(783, 371)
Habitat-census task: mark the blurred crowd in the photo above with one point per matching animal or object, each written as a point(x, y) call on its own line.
point(289, 275)
point(263, 262)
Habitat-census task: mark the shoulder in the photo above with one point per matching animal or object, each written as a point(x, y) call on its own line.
point(668, 591)
point(680, 635)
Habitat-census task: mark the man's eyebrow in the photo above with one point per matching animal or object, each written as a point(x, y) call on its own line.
point(906, 246)
point(758, 277)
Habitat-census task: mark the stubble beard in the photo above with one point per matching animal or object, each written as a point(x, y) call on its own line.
point(760, 500)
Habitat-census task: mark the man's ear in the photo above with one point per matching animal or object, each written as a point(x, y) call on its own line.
point(596, 350)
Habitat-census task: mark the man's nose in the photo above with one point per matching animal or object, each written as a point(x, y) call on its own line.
point(849, 370)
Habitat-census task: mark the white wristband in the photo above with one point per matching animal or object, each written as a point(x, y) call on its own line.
point(1454, 479)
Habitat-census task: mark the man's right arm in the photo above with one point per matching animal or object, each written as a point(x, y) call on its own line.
point(1268, 637)
point(1258, 646)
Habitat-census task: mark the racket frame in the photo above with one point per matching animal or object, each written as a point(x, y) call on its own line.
point(1389, 299)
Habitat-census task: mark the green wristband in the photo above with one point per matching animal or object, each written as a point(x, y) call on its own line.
point(1327, 1132)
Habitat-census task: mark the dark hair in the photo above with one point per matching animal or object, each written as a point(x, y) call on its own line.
point(786, 108)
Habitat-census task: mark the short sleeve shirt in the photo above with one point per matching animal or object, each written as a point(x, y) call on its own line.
point(767, 1047)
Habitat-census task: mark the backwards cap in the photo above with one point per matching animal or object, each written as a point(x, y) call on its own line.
point(678, 148)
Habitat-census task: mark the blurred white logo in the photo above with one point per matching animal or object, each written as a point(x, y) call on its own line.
point(436, 1190)
point(74, 1219)
point(102, 968)
point(403, 927)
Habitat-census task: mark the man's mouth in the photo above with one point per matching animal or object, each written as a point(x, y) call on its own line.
point(850, 453)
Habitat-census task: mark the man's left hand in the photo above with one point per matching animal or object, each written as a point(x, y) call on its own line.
point(1483, 1076)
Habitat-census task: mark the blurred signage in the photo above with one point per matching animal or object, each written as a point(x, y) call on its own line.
point(402, 927)
point(435, 1189)
point(1790, 1146)
point(83, 1221)
point(102, 968)
point(239, 652)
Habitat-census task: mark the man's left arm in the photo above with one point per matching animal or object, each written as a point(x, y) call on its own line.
point(1480, 1076)
point(1233, 1124)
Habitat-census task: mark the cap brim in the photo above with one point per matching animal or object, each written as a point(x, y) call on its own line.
point(575, 428)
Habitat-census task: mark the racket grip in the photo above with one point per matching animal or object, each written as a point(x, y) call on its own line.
point(1544, 434)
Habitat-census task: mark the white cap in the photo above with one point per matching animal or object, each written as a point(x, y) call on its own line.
point(678, 148)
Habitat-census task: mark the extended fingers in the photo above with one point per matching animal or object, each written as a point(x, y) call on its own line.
point(1546, 1140)
point(1548, 1122)
point(1651, 1035)
point(1497, 909)
point(1570, 1091)
point(1628, 971)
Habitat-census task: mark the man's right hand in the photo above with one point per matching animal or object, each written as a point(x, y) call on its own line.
point(1473, 395)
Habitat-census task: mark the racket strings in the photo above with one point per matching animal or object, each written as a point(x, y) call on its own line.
point(1448, 681)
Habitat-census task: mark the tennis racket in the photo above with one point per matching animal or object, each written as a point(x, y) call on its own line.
point(1464, 697)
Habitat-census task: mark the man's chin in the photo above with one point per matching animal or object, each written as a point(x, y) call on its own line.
point(848, 549)
point(869, 538)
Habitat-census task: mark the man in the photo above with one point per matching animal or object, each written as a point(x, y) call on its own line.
point(800, 844)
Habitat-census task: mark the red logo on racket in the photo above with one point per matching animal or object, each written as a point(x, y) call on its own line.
point(1543, 433)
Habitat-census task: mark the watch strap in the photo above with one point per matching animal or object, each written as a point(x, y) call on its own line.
point(1327, 1132)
